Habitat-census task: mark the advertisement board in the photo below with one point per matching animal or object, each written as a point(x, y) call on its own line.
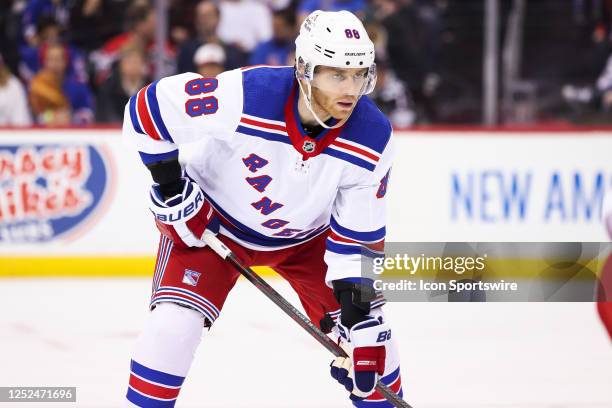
point(499, 186)
point(74, 201)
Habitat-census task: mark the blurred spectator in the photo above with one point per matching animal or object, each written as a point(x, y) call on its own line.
point(278, 50)
point(391, 97)
point(56, 99)
point(378, 35)
point(413, 36)
point(435, 48)
point(93, 22)
point(207, 16)
point(356, 7)
point(128, 76)
point(141, 21)
point(564, 47)
point(244, 23)
point(180, 20)
point(49, 32)
point(209, 60)
point(278, 4)
point(588, 102)
point(553, 30)
point(13, 100)
point(35, 9)
point(604, 86)
point(10, 32)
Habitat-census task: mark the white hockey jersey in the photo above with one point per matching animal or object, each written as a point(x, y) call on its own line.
point(273, 186)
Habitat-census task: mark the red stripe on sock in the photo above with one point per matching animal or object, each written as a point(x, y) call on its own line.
point(153, 390)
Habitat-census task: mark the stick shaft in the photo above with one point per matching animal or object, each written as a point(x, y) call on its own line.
point(297, 316)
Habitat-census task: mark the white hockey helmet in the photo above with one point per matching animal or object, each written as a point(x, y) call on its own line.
point(333, 39)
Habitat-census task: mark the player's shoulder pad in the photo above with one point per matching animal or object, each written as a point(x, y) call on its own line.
point(152, 110)
point(159, 110)
point(176, 84)
point(368, 126)
point(266, 90)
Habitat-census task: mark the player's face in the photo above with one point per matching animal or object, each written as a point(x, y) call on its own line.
point(337, 90)
point(55, 60)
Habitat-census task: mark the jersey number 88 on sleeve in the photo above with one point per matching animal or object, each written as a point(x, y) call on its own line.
point(207, 105)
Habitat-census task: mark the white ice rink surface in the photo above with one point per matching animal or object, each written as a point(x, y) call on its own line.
point(79, 332)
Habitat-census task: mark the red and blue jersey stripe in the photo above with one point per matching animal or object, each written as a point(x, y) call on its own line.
point(249, 235)
point(145, 114)
point(360, 236)
point(344, 241)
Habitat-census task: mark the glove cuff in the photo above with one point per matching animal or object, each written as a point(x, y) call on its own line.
point(370, 333)
point(181, 212)
point(369, 359)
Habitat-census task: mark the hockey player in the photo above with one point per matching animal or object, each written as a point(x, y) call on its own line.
point(292, 172)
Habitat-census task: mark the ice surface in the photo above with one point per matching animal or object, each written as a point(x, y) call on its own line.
point(79, 332)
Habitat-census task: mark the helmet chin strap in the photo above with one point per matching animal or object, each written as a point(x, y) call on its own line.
point(307, 100)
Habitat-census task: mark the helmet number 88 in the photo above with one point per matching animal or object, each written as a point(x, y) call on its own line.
point(201, 106)
point(352, 33)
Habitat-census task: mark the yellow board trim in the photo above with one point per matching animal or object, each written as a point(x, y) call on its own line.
point(57, 267)
point(19, 267)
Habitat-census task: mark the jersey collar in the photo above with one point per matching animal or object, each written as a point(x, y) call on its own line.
point(305, 145)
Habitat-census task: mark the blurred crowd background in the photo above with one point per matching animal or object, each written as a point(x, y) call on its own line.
point(76, 62)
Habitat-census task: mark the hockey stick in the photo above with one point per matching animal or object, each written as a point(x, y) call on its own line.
point(225, 253)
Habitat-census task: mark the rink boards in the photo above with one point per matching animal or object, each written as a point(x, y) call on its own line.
point(74, 201)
